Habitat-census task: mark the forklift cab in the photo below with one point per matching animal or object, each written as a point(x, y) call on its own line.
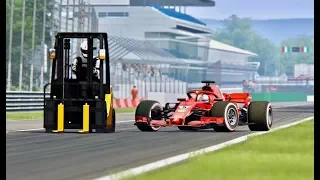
point(79, 103)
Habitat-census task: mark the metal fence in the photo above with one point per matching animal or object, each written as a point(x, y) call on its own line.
point(17, 101)
point(23, 101)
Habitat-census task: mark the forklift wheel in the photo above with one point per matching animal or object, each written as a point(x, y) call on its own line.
point(48, 130)
point(109, 130)
point(113, 128)
point(101, 130)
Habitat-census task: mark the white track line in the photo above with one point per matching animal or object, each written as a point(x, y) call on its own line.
point(183, 157)
point(25, 130)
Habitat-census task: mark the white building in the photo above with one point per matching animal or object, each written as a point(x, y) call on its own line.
point(177, 44)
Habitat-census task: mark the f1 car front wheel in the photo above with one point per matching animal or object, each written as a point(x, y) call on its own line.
point(229, 112)
point(150, 109)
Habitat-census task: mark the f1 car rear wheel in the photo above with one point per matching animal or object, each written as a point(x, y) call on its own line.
point(229, 112)
point(260, 115)
point(145, 109)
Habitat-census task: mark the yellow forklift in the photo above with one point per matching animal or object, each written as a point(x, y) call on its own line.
point(79, 100)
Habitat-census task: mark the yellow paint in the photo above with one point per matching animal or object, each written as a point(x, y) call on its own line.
point(52, 54)
point(101, 57)
point(102, 54)
point(181, 110)
point(85, 119)
point(60, 119)
point(109, 106)
point(52, 57)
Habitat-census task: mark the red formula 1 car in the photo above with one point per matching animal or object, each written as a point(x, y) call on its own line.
point(206, 108)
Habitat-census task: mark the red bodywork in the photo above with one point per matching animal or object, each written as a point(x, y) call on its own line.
point(184, 108)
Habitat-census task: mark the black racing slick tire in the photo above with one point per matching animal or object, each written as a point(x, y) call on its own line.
point(144, 109)
point(260, 116)
point(229, 112)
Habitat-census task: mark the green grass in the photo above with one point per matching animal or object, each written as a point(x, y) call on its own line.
point(24, 115)
point(284, 154)
point(39, 115)
point(125, 110)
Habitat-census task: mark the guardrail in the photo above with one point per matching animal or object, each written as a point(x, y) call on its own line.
point(20, 101)
point(17, 101)
point(24, 101)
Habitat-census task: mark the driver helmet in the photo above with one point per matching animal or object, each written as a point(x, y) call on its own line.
point(203, 98)
point(84, 48)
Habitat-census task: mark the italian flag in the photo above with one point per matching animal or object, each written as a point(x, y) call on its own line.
point(304, 49)
point(285, 49)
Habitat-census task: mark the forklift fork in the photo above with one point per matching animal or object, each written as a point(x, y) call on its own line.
point(60, 116)
point(85, 126)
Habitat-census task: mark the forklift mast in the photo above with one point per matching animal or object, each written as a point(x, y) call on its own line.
point(61, 71)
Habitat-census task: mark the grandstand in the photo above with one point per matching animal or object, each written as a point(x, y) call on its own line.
point(141, 63)
point(149, 22)
point(172, 35)
point(157, 2)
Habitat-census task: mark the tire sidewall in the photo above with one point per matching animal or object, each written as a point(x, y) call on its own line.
point(155, 105)
point(267, 116)
point(226, 122)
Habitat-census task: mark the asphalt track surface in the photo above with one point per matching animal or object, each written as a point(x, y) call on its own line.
point(36, 155)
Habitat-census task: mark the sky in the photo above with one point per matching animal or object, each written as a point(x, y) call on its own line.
point(256, 9)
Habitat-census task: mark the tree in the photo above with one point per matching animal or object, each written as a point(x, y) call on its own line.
point(289, 59)
point(17, 23)
point(238, 32)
